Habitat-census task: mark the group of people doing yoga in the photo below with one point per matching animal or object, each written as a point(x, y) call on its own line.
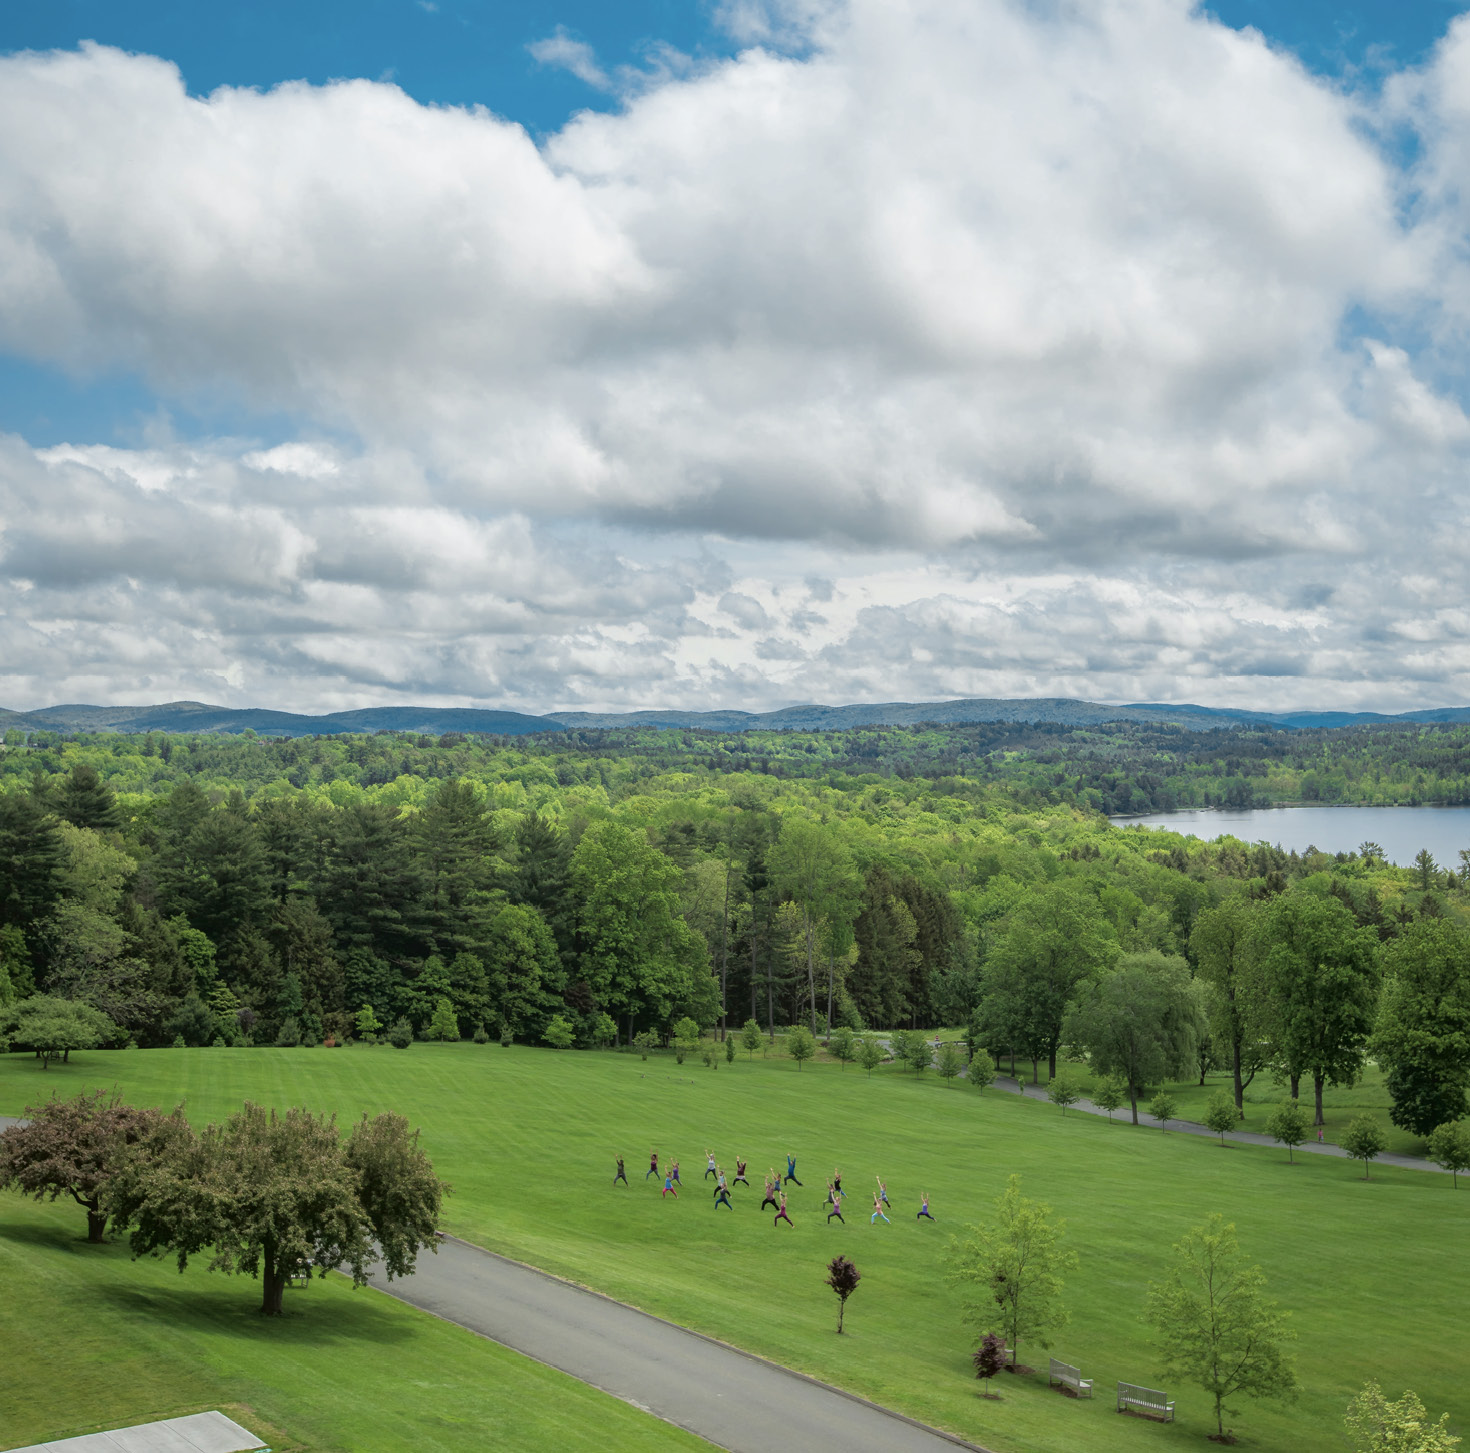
point(775, 1188)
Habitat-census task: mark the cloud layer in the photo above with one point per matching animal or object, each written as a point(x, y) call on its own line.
point(923, 349)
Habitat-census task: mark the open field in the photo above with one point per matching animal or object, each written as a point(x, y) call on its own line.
point(94, 1340)
point(1372, 1271)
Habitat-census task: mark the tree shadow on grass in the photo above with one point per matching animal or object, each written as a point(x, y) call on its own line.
point(318, 1316)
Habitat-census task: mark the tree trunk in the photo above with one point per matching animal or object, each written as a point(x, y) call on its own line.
point(1133, 1101)
point(1051, 1065)
point(811, 969)
point(841, 1308)
point(1034, 1080)
point(1296, 1085)
point(831, 975)
point(273, 1284)
point(1317, 1082)
point(1235, 1071)
point(96, 1224)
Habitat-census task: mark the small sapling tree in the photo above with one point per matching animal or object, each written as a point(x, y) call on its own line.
point(1012, 1267)
point(950, 1061)
point(1449, 1148)
point(801, 1044)
point(368, 1025)
point(1364, 1140)
point(1380, 1426)
point(1161, 1107)
point(644, 1041)
point(870, 1055)
point(989, 1358)
point(76, 1148)
point(729, 1049)
point(750, 1037)
point(842, 1277)
point(916, 1051)
point(444, 1025)
point(1214, 1325)
point(685, 1037)
point(980, 1072)
point(1287, 1123)
point(1063, 1091)
point(559, 1034)
point(1220, 1114)
point(1110, 1093)
point(401, 1034)
point(842, 1045)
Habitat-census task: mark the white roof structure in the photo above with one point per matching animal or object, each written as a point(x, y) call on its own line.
point(198, 1433)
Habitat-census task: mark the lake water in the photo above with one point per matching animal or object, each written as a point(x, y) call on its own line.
point(1399, 831)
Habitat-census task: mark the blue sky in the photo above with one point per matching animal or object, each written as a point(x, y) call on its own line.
point(797, 350)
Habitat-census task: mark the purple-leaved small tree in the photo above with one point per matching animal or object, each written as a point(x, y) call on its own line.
point(842, 1277)
point(990, 1358)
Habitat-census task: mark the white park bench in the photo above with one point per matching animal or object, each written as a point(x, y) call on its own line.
point(1146, 1400)
point(1063, 1374)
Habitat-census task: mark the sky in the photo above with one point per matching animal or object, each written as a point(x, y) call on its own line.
point(734, 353)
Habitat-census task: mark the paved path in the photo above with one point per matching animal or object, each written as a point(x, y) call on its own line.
point(1241, 1137)
point(726, 1396)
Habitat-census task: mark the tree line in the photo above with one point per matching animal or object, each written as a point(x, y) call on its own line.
point(198, 910)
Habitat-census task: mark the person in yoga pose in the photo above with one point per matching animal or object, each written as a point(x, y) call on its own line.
point(836, 1180)
point(878, 1210)
point(740, 1173)
point(722, 1194)
point(668, 1187)
point(772, 1181)
point(882, 1191)
point(791, 1169)
point(710, 1168)
point(781, 1214)
point(622, 1175)
point(834, 1201)
point(652, 1164)
point(674, 1169)
point(924, 1209)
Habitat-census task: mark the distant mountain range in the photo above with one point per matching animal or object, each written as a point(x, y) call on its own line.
point(195, 716)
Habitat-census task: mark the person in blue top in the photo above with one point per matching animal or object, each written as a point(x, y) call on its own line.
point(924, 1209)
point(791, 1169)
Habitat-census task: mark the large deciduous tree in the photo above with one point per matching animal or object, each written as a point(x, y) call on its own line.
point(1422, 1038)
point(639, 957)
point(277, 1195)
point(1224, 945)
point(1054, 941)
point(54, 1027)
point(810, 863)
point(1320, 972)
point(76, 1147)
point(1143, 1021)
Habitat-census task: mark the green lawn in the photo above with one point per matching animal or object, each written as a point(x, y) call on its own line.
point(1375, 1272)
point(93, 1340)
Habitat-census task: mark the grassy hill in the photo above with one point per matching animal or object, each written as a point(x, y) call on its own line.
point(1370, 1270)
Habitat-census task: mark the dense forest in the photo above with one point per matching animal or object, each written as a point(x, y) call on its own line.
point(239, 889)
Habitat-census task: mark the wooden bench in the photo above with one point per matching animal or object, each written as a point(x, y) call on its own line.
point(1063, 1374)
point(1146, 1400)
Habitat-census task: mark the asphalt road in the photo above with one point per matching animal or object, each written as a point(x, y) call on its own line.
point(726, 1396)
point(1240, 1137)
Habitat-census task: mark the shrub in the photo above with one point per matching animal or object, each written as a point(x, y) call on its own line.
point(481, 1036)
point(289, 1034)
point(559, 1034)
point(981, 1069)
point(400, 1036)
point(644, 1041)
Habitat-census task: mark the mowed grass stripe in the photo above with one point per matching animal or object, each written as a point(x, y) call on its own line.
point(1372, 1271)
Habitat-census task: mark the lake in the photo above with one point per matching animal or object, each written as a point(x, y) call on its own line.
point(1399, 831)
